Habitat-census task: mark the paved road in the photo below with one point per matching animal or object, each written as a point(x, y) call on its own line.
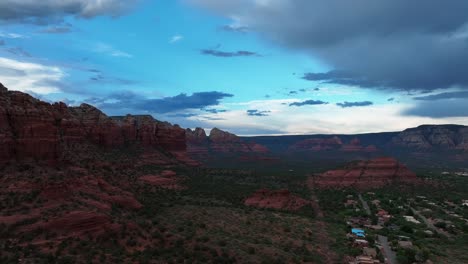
point(429, 224)
point(365, 205)
point(390, 256)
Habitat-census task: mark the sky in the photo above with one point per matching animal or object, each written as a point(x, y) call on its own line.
point(252, 67)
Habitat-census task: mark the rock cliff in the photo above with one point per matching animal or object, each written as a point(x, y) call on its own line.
point(200, 146)
point(427, 137)
point(33, 130)
point(373, 173)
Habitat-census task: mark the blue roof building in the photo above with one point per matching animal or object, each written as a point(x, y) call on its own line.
point(358, 232)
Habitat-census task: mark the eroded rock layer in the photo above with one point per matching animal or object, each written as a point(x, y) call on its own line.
point(34, 130)
point(373, 173)
point(280, 199)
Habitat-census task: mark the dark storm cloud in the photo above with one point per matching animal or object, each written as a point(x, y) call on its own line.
point(228, 54)
point(354, 104)
point(255, 112)
point(440, 96)
point(308, 102)
point(130, 100)
point(398, 44)
point(215, 111)
point(101, 79)
point(51, 11)
point(440, 108)
point(341, 77)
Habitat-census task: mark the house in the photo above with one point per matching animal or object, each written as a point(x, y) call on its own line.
point(375, 202)
point(374, 227)
point(405, 244)
point(365, 260)
point(429, 232)
point(370, 252)
point(411, 219)
point(350, 202)
point(361, 243)
point(358, 232)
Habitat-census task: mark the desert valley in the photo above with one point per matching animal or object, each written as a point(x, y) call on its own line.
point(78, 186)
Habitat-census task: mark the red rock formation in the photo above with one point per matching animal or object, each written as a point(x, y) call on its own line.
point(281, 199)
point(219, 142)
point(32, 130)
point(166, 179)
point(374, 173)
point(330, 144)
point(317, 144)
point(78, 223)
point(433, 136)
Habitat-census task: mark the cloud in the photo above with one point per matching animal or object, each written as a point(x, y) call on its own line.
point(176, 38)
point(354, 104)
point(344, 78)
point(101, 79)
point(51, 11)
point(308, 102)
point(391, 99)
point(235, 28)
point(18, 51)
point(2, 42)
point(128, 100)
point(215, 111)
point(440, 96)
point(256, 112)
point(411, 45)
point(30, 77)
point(110, 51)
point(227, 54)
point(11, 35)
point(57, 30)
point(441, 108)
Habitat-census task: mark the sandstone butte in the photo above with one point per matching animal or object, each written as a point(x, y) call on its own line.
point(38, 131)
point(332, 143)
point(375, 173)
point(199, 145)
point(276, 199)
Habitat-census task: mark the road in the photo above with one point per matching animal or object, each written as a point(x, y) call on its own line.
point(429, 224)
point(390, 256)
point(365, 205)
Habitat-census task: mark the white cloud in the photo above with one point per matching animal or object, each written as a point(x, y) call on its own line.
point(111, 51)
point(30, 77)
point(11, 35)
point(326, 119)
point(176, 38)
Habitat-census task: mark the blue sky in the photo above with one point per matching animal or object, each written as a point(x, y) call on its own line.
point(224, 64)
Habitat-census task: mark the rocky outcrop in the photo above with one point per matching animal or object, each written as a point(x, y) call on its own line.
point(166, 180)
point(334, 143)
point(373, 173)
point(280, 199)
point(201, 146)
point(32, 130)
point(428, 137)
